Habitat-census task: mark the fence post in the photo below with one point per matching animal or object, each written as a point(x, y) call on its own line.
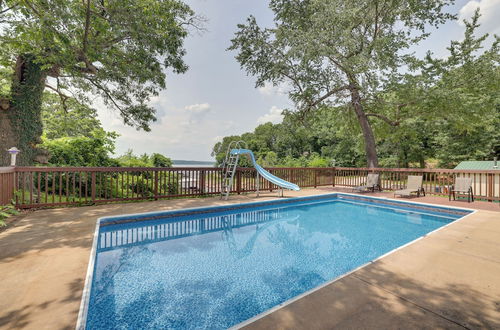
point(92, 187)
point(489, 197)
point(238, 181)
point(155, 186)
point(333, 176)
point(7, 184)
point(315, 178)
point(202, 182)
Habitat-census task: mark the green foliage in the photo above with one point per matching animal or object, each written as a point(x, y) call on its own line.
point(82, 150)
point(155, 160)
point(118, 50)
point(158, 160)
point(6, 211)
point(130, 160)
point(444, 111)
point(288, 144)
point(68, 119)
point(26, 99)
point(336, 52)
point(5, 82)
point(450, 110)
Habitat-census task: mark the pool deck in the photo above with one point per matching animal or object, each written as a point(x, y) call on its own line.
point(448, 279)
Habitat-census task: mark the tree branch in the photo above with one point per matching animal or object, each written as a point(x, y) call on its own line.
point(62, 96)
point(87, 28)
point(7, 9)
point(328, 94)
point(384, 118)
point(108, 95)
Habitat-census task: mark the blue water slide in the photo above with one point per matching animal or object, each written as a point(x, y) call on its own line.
point(265, 174)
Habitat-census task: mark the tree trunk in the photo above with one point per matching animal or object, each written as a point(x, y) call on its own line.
point(21, 123)
point(370, 147)
point(422, 161)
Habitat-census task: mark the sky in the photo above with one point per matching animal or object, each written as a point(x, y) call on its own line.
point(216, 98)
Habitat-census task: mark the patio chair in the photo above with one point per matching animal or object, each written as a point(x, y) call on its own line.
point(370, 184)
point(462, 186)
point(414, 185)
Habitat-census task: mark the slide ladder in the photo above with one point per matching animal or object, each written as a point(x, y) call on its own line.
point(229, 168)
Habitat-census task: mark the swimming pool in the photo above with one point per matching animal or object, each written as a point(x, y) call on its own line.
point(216, 267)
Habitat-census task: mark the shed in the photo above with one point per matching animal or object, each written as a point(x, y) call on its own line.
point(482, 165)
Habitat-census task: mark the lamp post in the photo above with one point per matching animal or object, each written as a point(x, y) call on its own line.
point(13, 154)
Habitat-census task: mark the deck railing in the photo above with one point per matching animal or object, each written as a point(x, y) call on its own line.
point(34, 187)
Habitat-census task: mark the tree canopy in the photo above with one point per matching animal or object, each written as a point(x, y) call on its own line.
point(118, 50)
point(439, 113)
point(333, 52)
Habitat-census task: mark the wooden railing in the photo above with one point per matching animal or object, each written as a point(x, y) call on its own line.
point(7, 184)
point(34, 187)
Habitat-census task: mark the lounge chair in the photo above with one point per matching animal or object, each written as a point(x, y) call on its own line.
point(370, 185)
point(462, 186)
point(414, 185)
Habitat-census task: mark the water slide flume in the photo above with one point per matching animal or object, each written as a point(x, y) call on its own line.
point(265, 174)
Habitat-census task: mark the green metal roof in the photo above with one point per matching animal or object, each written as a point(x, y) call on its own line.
point(477, 165)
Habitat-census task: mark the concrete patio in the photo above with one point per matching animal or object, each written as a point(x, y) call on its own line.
point(449, 279)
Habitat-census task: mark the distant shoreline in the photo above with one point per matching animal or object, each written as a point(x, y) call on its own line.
point(192, 163)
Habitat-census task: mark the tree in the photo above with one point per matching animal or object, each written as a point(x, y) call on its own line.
point(158, 160)
point(336, 51)
point(82, 150)
point(155, 160)
point(70, 119)
point(452, 106)
point(118, 50)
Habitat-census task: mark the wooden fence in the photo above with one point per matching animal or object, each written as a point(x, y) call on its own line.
point(7, 184)
point(34, 187)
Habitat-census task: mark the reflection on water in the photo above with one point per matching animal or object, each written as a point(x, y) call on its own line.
point(143, 234)
point(215, 272)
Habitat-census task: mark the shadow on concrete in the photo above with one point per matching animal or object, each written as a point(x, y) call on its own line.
point(375, 298)
point(22, 318)
point(457, 302)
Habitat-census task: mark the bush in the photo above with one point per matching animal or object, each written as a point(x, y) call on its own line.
point(81, 150)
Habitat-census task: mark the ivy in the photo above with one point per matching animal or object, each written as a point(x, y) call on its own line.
point(26, 107)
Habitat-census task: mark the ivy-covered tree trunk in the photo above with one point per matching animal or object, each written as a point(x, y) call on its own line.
point(21, 122)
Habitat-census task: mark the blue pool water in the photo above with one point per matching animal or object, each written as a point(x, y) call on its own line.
point(214, 270)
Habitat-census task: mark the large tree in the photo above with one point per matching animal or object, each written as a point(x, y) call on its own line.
point(332, 52)
point(116, 49)
point(452, 110)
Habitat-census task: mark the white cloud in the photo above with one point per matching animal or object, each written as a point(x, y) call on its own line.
point(274, 116)
point(198, 108)
point(490, 12)
point(179, 133)
point(269, 89)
